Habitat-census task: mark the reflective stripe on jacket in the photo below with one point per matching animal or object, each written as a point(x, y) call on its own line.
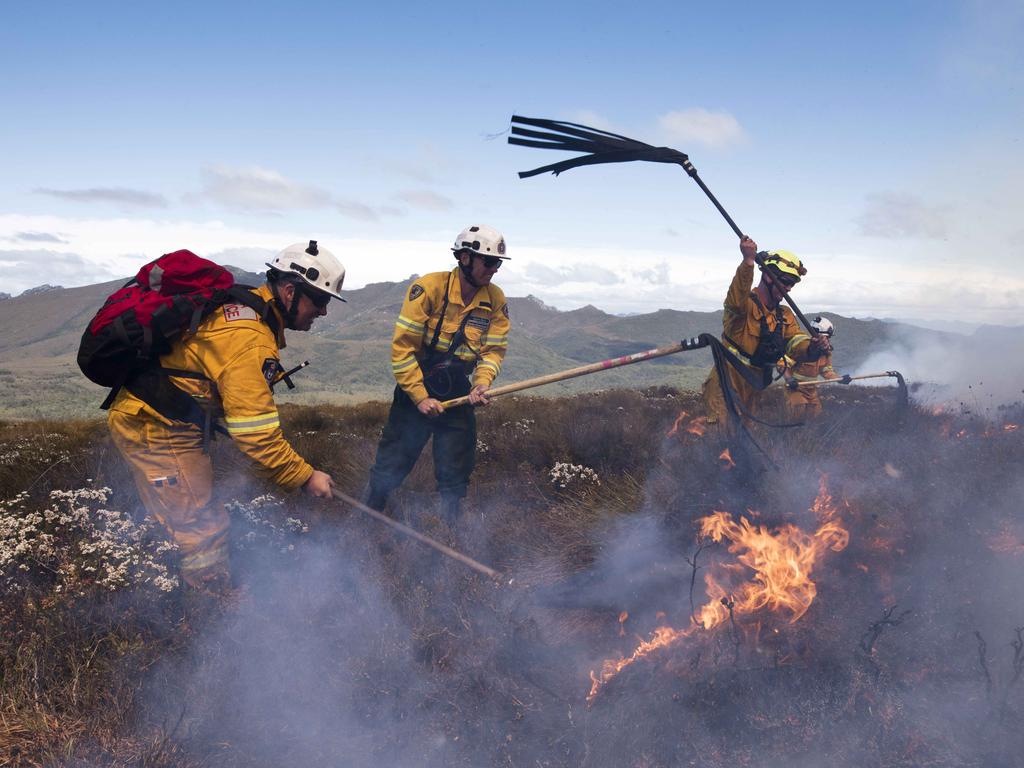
point(812, 370)
point(239, 354)
point(741, 321)
point(486, 331)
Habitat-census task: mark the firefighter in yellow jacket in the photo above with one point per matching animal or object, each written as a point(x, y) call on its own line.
point(761, 333)
point(450, 339)
point(802, 401)
point(228, 366)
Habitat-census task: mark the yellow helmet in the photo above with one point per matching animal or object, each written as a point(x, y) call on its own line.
point(784, 265)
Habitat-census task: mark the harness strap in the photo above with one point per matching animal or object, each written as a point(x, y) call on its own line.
point(444, 311)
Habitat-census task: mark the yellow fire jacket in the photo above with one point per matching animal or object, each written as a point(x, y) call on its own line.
point(239, 354)
point(486, 331)
point(741, 321)
point(811, 370)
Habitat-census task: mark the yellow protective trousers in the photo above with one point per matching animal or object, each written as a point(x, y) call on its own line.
point(175, 480)
point(714, 400)
point(803, 403)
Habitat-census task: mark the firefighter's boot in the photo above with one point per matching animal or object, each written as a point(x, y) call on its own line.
point(375, 498)
point(451, 508)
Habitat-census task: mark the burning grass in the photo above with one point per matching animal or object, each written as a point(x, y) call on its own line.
point(668, 598)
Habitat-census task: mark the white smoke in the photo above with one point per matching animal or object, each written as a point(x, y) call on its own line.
point(977, 373)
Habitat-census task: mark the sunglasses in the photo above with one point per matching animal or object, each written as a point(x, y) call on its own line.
point(491, 262)
point(319, 299)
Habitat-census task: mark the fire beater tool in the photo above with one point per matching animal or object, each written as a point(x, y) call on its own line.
point(686, 345)
point(599, 147)
point(604, 147)
point(444, 550)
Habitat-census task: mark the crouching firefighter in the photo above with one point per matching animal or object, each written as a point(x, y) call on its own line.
point(803, 403)
point(450, 339)
point(224, 367)
point(760, 336)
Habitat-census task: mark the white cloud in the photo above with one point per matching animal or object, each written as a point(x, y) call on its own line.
point(426, 199)
point(133, 198)
point(896, 215)
point(544, 274)
point(37, 237)
point(259, 189)
point(21, 269)
point(658, 275)
point(850, 283)
point(701, 126)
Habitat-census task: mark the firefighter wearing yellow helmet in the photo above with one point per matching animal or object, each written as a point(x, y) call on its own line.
point(228, 365)
point(450, 339)
point(803, 403)
point(761, 333)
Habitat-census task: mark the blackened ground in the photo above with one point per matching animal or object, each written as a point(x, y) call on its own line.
point(359, 648)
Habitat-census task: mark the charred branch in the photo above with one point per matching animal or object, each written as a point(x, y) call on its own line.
point(1017, 664)
point(729, 603)
point(692, 561)
point(983, 661)
point(875, 630)
point(1018, 655)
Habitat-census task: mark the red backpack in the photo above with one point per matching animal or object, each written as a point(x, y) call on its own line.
point(137, 323)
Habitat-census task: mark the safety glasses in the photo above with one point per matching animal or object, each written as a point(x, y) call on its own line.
point(491, 262)
point(319, 299)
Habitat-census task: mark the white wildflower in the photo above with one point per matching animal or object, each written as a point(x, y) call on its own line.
point(565, 475)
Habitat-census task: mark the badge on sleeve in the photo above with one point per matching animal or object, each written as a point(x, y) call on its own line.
point(415, 292)
point(271, 367)
point(504, 310)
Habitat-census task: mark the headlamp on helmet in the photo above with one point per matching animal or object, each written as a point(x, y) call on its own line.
point(481, 240)
point(317, 267)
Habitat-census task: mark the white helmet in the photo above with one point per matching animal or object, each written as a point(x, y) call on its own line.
point(823, 326)
point(481, 240)
point(316, 266)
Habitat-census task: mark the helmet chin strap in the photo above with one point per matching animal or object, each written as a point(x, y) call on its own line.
point(467, 271)
point(288, 313)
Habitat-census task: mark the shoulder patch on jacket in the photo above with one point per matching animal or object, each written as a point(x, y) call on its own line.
point(504, 309)
point(270, 368)
point(415, 292)
point(239, 312)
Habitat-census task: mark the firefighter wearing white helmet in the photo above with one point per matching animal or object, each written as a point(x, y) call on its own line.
point(449, 341)
point(312, 272)
point(803, 402)
point(230, 364)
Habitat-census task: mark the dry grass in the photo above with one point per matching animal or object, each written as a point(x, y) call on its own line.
point(395, 656)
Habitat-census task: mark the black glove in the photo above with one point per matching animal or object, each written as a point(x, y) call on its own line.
point(846, 379)
point(793, 384)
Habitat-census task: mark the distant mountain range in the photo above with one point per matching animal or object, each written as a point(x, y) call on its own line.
point(349, 348)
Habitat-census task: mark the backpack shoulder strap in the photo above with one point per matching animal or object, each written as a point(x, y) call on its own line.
point(244, 294)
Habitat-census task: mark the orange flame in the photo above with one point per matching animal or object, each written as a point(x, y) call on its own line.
point(726, 458)
point(1006, 541)
point(696, 426)
point(1009, 427)
point(782, 561)
point(675, 424)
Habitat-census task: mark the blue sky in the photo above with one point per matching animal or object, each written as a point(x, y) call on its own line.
point(880, 141)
